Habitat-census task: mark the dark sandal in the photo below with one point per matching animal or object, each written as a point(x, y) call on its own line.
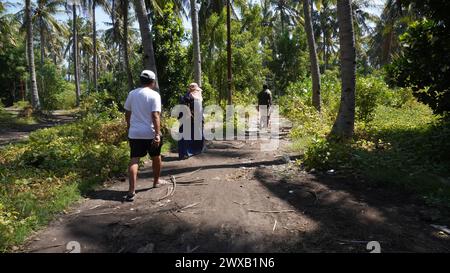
point(129, 197)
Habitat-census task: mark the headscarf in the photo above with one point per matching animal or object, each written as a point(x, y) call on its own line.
point(195, 91)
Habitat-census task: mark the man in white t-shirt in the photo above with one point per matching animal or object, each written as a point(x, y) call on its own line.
point(143, 108)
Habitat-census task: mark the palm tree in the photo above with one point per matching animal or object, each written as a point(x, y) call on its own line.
point(91, 5)
point(196, 44)
point(229, 72)
point(285, 9)
point(7, 24)
point(124, 7)
point(345, 121)
point(146, 36)
point(315, 73)
point(30, 52)
point(385, 42)
point(328, 27)
point(73, 8)
point(48, 25)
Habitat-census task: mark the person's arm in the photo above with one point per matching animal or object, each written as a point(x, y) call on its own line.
point(157, 125)
point(127, 107)
point(127, 118)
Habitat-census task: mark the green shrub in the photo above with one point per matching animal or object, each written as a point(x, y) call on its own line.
point(368, 94)
point(100, 105)
point(22, 104)
point(55, 92)
point(325, 155)
point(66, 99)
point(403, 147)
point(42, 176)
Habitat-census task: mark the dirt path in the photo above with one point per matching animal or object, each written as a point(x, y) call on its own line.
point(15, 132)
point(227, 211)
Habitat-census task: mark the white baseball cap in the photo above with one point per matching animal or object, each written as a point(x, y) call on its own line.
point(148, 74)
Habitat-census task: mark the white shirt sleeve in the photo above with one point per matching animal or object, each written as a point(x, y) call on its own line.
point(127, 105)
point(156, 103)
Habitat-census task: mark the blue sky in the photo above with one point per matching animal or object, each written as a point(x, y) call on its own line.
point(102, 17)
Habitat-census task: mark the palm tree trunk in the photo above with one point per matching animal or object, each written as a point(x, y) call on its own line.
point(196, 44)
point(94, 43)
point(125, 43)
point(75, 54)
point(42, 47)
point(30, 53)
point(315, 73)
point(146, 36)
point(345, 121)
point(42, 40)
point(229, 73)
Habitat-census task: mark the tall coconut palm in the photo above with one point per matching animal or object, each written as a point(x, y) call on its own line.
point(315, 73)
point(72, 7)
point(183, 8)
point(196, 43)
point(286, 11)
point(345, 121)
point(394, 20)
point(30, 52)
point(91, 6)
point(327, 28)
point(48, 24)
point(146, 36)
point(48, 27)
point(124, 7)
point(7, 26)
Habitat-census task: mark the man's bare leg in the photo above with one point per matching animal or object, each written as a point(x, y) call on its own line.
point(132, 174)
point(156, 166)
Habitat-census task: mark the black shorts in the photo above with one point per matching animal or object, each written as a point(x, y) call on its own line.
point(142, 147)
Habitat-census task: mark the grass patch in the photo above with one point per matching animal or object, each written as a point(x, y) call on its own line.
point(398, 141)
point(42, 176)
point(13, 120)
point(56, 166)
point(406, 148)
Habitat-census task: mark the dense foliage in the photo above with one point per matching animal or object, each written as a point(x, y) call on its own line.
point(425, 62)
point(394, 133)
point(171, 57)
point(45, 174)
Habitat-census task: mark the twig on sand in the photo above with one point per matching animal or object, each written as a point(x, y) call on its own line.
point(189, 206)
point(191, 182)
point(194, 184)
point(46, 247)
point(274, 225)
point(170, 193)
point(242, 204)
point(270, 211)
point(97, 214)
point(188, 174)
point(293, 229)
point(94, 207)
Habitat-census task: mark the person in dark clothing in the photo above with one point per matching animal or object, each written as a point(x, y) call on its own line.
point(265, 99)
point(190, 147)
